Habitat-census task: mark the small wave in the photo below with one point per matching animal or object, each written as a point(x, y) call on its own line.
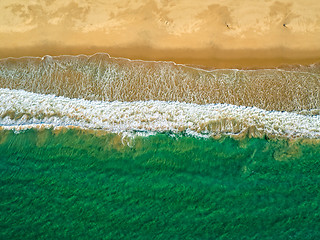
point(102, 78)
point(22, 110)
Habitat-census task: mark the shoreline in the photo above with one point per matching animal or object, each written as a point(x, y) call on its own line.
point(202, 58)
point(104, 78)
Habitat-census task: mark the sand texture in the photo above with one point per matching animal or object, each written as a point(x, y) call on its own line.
point(216, 33)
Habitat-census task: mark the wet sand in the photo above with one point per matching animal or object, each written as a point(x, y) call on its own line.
point(202, 58)
point(232, 34)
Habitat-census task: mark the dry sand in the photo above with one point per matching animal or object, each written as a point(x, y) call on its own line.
point(230, 33)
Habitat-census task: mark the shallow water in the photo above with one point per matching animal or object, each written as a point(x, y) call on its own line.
point(100, 77)
point(86, 184)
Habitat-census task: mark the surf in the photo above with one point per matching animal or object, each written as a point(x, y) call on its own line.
point(103, 78)
point(22, 110)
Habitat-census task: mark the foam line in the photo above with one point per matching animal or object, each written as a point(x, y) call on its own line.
point(20, 110)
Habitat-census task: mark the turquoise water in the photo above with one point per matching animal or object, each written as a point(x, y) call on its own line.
point(89, 184)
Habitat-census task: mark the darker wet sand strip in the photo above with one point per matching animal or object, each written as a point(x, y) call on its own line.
point(203, 58)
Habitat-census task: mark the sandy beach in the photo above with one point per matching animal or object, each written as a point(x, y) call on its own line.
point(247, 34)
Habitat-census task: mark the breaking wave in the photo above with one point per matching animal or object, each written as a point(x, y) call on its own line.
point(21, 110)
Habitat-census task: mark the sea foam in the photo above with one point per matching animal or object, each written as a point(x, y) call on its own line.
point(103, 78)
point(22, 110)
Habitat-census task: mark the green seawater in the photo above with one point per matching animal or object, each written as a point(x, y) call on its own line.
point(77, 184)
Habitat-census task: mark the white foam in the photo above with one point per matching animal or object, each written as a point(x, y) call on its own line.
point(101, 77)
point(21, 110)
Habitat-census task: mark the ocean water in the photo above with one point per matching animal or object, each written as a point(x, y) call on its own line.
point(101, 77)
point(94, 147)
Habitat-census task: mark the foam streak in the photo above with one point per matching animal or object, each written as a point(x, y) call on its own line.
point(20, 109)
